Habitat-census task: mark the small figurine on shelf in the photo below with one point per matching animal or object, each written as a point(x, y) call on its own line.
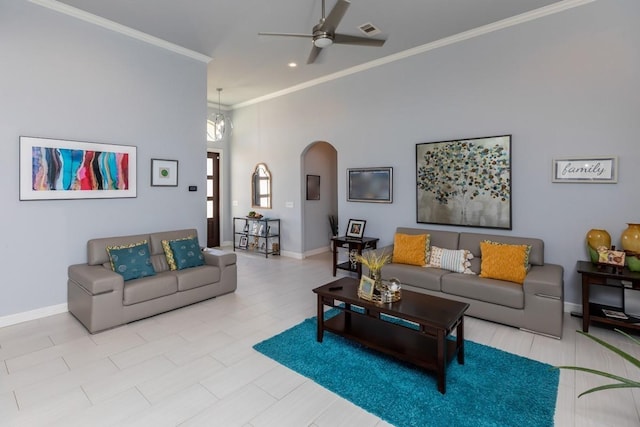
point(611, 258)
point(254, 215)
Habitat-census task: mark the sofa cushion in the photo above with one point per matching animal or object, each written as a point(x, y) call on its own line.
point(168, 252)
point(503, 262)
point(97, 248)
point(186, 253)
point(420, 277)
point(148, 288)
point(498, 292)
point(192, 278)
point(132, 261)
point(527, 251)
point(410, 249)
point(471, 241)
point(442, 239)
point(450, 259)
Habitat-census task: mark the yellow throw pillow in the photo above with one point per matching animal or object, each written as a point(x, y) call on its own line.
point(410, 249)
point(503, 262)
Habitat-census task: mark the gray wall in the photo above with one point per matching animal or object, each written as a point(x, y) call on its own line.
point(563, 85)
point(67, 79)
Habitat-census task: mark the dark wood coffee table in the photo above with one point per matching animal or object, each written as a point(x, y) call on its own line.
point(427, 346)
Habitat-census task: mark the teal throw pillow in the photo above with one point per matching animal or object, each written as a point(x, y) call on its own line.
point(186, 253)
point(131, 261)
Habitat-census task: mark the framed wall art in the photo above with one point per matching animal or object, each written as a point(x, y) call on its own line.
point(586, 170)
point(373, 185)
point(164, 173)
point(465, 182)
point(313, 187)
point(62, 169)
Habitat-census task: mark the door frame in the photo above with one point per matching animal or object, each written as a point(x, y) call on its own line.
point(221, 192)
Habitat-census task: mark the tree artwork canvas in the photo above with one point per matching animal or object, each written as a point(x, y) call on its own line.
point(465, 182)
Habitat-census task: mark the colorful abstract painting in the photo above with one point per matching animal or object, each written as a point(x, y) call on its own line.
point(465, 182)
point(58, 169)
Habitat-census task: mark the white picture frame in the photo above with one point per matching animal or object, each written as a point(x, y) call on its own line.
point(585, 170)
point(164, 173)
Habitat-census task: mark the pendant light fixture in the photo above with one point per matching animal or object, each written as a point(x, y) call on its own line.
point(217, 123)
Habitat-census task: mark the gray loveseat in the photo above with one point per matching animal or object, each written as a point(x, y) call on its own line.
point(100, 298)
point(536, 305)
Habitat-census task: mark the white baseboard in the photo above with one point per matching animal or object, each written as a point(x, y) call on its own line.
point(317, 251)
point(38, 313)
point(570, 307)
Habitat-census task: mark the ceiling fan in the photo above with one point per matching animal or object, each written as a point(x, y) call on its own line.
point(324, 33)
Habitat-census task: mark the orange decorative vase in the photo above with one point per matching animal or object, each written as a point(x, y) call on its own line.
point(630, 239)
point(595, 239)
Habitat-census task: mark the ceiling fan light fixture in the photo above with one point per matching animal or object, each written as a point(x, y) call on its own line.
point(322, 40)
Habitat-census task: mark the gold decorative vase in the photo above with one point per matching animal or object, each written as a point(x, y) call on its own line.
point(630, 239)
point(595, 239)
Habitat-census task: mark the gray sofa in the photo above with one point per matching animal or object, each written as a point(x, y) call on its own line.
point(536, 305)
point(100, 298)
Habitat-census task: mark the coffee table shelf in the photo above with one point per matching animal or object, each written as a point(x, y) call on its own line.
point(395, 340)
point(430, 347)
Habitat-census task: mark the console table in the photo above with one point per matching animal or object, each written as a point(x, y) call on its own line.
point(352, 244)
point(603, 276)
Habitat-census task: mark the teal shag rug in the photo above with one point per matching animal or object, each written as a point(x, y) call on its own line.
point(492, 388)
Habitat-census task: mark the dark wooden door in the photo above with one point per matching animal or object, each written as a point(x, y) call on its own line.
point(213, 200)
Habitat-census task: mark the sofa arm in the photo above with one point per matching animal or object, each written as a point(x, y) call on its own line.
point(546, 280)
point(95, 278)
point(219, 258)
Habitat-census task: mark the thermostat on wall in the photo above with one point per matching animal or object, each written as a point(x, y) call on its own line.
point(193, 188)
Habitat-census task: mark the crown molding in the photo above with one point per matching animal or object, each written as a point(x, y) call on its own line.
point(118, 28)
point(457, 38)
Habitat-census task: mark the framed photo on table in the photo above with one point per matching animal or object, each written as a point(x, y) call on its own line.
point(367, 284)
point(243, 242)
point(164, 173)
point(355, 228)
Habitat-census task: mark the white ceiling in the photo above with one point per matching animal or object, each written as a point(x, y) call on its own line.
point(248, 66)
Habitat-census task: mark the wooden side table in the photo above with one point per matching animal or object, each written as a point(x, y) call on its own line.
point(592, 312)
point(352, 244)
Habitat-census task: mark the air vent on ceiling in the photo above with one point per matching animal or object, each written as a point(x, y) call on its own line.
point(369, 29)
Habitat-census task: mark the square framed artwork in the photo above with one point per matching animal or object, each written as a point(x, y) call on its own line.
point(355, 228)
point(164, 173)
point(464, 182)
point(61, 169)
point(585, 170)
point(373, 185)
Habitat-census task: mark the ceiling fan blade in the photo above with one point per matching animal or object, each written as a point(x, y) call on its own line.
point(360, 41)
point(286, 35)
point(335, 16)
point(315, 51)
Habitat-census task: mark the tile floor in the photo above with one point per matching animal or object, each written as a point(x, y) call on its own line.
point(196, 366)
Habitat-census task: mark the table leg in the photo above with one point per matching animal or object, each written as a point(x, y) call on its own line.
point(320, 319)
point(335, 257)
point(460, 341)
point(442, 362)
point(585, 303)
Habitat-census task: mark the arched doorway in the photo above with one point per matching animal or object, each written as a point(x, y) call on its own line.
point(320, 163)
